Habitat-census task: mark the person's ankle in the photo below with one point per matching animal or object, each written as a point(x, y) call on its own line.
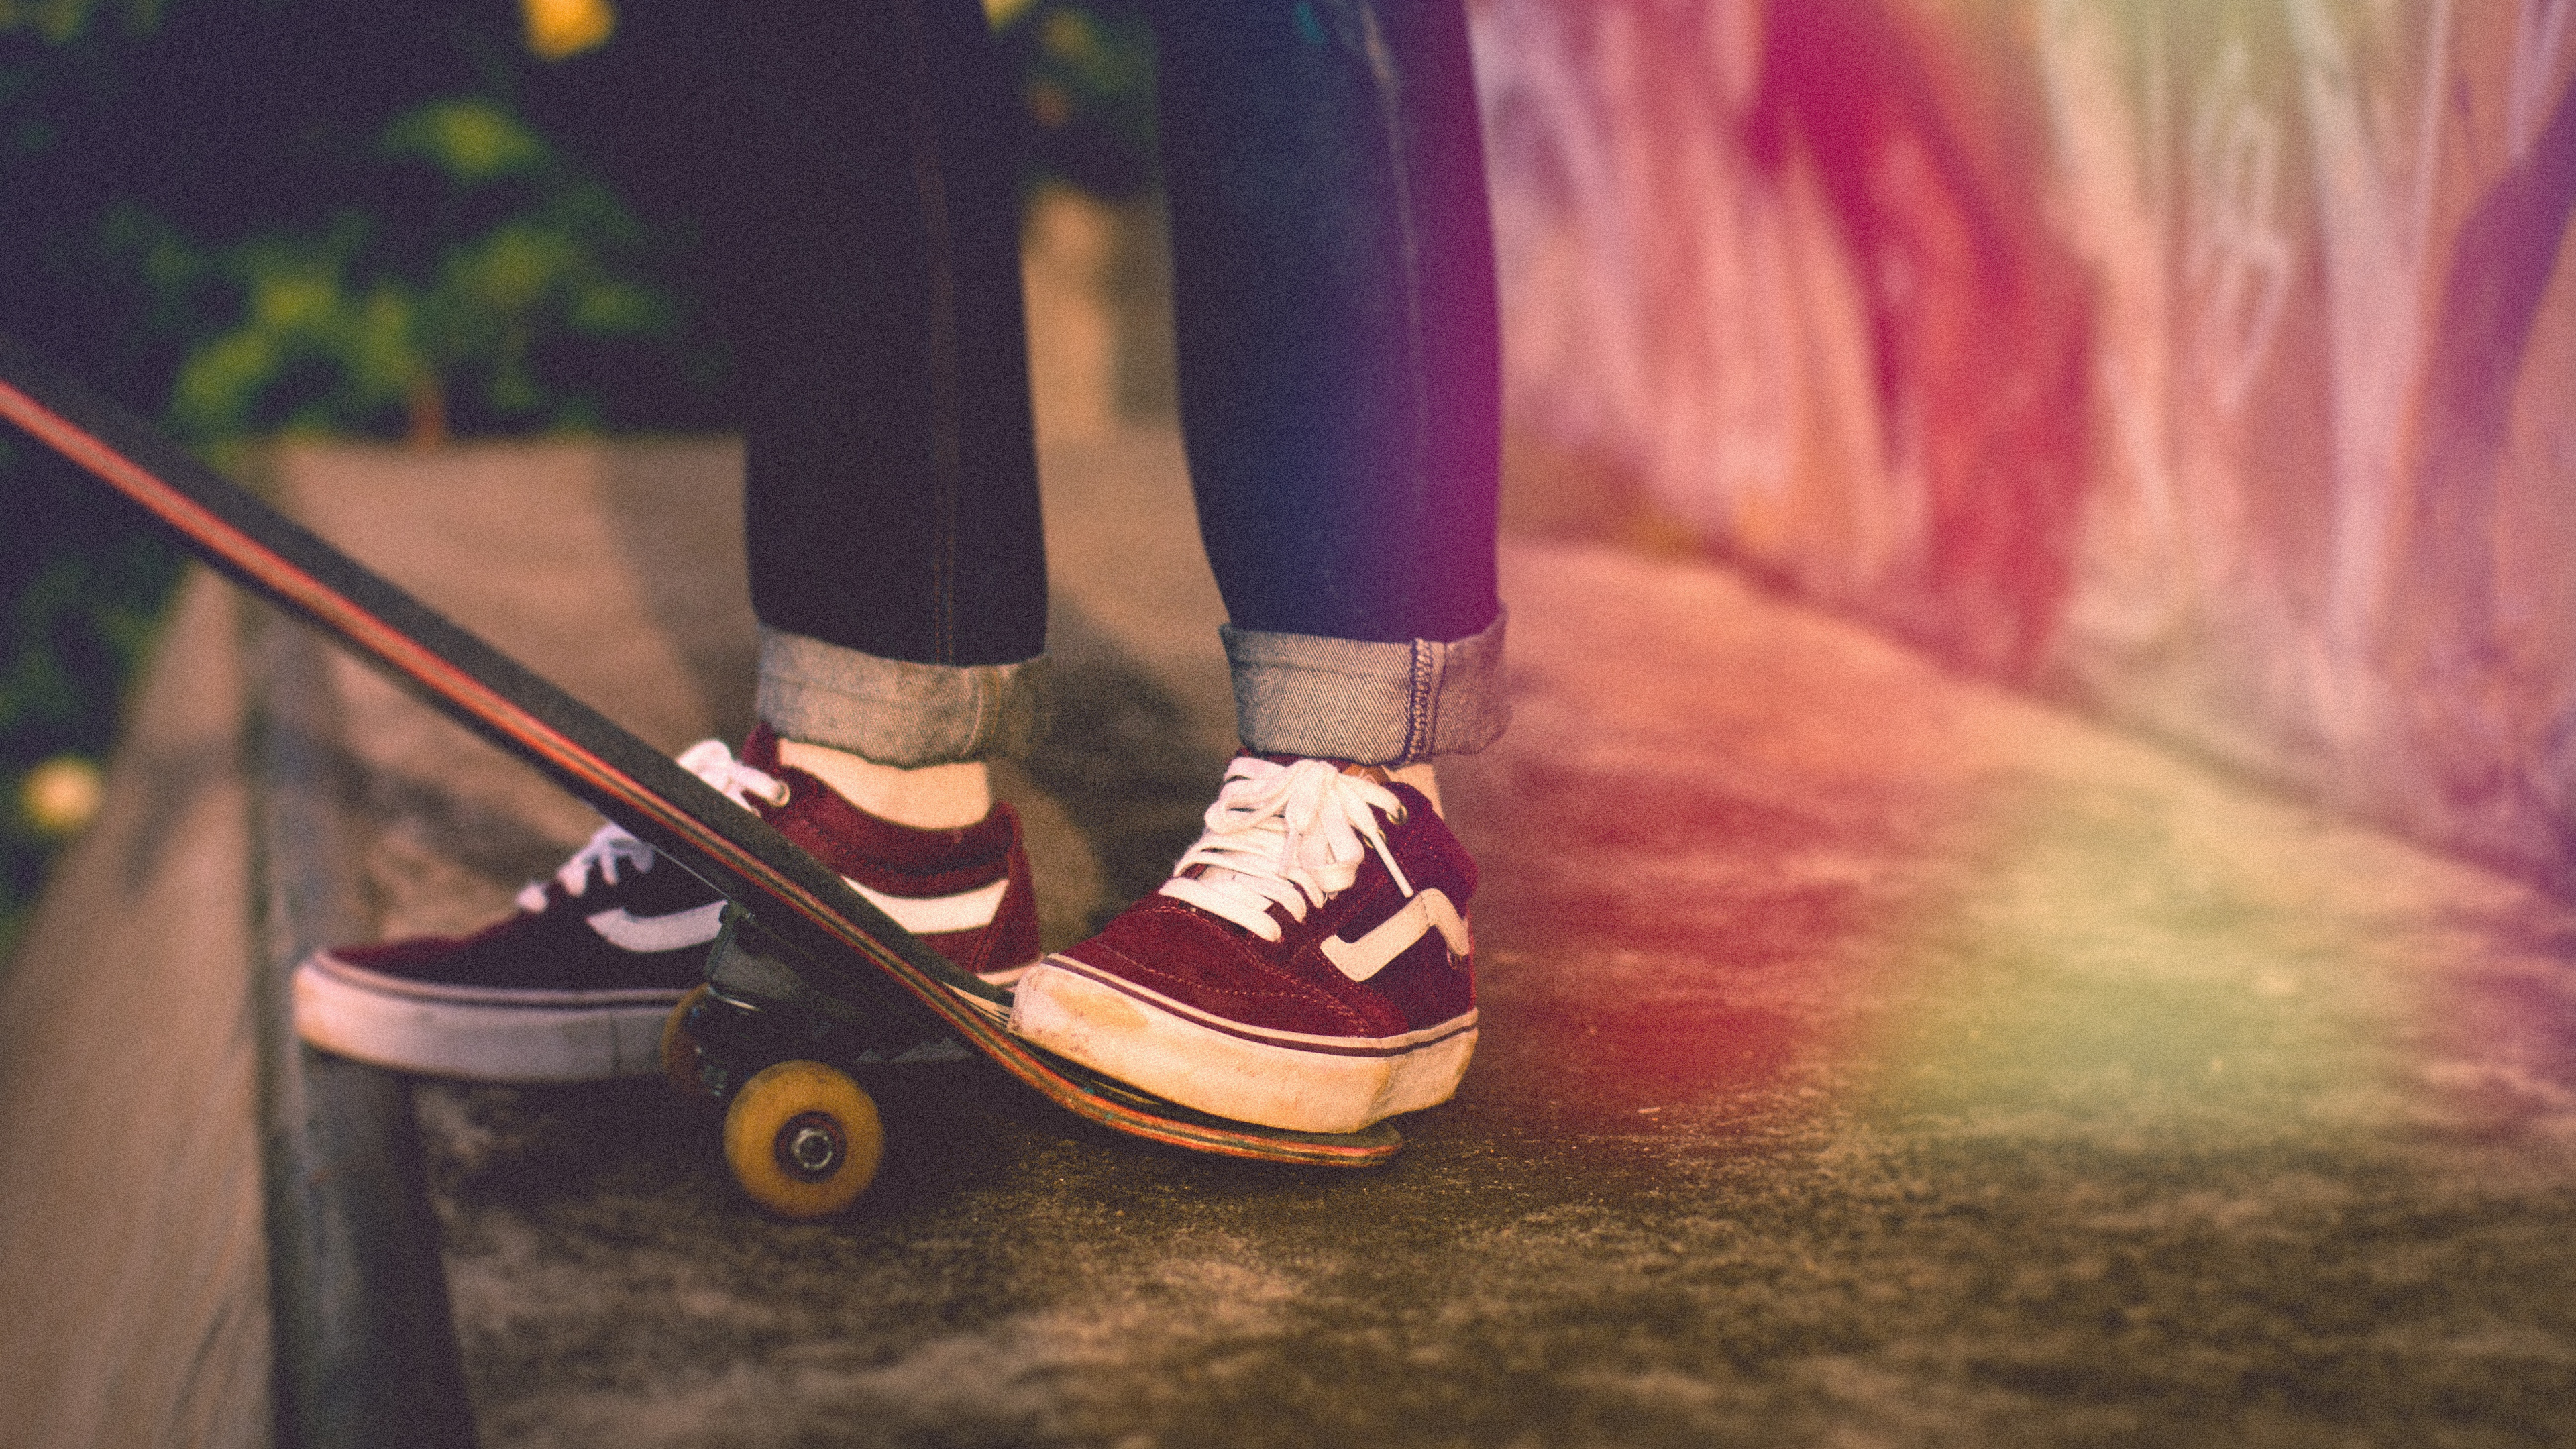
point(933, 797)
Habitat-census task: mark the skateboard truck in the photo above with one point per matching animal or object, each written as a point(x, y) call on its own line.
point(801, 1135)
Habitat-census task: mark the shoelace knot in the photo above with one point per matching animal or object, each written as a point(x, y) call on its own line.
point(1292, 835)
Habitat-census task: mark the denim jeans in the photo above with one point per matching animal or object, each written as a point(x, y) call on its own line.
point(1335, 318)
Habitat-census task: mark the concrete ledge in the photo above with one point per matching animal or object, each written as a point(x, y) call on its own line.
point(132, 1257)
point(364, 1343)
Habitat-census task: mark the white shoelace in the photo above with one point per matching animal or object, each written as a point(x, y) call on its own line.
point(1289, 835)
point(612, 846)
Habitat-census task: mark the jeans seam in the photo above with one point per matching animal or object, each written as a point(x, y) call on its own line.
point(947, 444)
point(1386, 86)
point(1419, 711)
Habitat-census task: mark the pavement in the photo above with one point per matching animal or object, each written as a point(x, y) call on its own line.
point(1870, 1057)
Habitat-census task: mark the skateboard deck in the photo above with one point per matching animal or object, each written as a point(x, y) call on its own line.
point(799, 939)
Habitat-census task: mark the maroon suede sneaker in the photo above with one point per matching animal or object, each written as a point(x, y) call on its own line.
point(578, 984)
point(1307, 966)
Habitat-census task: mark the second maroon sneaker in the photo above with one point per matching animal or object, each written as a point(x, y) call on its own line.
point(577, 985)
point(1308, 965)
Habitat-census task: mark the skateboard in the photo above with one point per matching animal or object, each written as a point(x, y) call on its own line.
point(806, 977)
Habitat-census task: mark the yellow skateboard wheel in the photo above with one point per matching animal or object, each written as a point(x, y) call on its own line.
point(803, 1139)
point(680, 1048)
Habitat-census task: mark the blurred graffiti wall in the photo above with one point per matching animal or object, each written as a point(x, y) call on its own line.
point(2212, 363)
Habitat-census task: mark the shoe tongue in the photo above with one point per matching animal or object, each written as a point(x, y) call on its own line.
point(760, 749)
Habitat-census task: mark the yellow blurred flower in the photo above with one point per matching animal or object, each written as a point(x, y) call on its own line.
point(60, 795)
point(561, 28)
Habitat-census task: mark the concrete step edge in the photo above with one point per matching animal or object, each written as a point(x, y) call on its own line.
point(364, 1337)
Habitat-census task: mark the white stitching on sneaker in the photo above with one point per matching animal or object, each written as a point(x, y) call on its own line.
point(612, 846)
point(1285, 835)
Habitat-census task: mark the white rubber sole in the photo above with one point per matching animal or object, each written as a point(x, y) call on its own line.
point(479, 1036)
point(1276, 1079)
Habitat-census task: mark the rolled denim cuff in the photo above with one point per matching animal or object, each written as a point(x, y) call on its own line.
point(896, 712)
point(1367, 702)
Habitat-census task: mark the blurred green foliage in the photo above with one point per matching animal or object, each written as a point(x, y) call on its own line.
point(348, 329)
point(248, 217)
point(377, 218)
point(1087, 78)
point(61, 20)
point(86, 587)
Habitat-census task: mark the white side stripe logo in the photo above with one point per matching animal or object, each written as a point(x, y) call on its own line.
point(929, 915)
point(920, 915)
point(630, 932)
point(1428, 911)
